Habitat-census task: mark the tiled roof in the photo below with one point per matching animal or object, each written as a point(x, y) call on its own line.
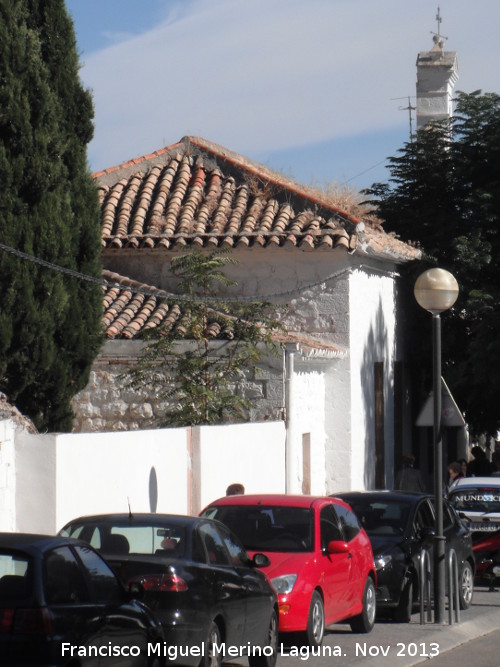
point(131, 308)
point(201, 194)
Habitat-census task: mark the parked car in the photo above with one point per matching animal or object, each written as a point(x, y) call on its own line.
point(61, 604)
point(198, 579)
point(477, 500)
point(400, 524)
point(321, 561)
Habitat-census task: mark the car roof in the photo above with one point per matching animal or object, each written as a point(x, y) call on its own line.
point(381, 494)
point(281, 499)
point(131, 519)
point(33, 543)
point(473, 482)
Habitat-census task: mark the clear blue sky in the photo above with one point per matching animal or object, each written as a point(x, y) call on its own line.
point(313, 88)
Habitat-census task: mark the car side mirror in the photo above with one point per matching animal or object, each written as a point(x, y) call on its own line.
point(427, 534)
point(260, 560)
point(337, 547)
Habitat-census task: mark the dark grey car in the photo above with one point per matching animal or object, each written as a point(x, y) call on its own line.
point(61, 604)
point(199, 581)
point(399, 524)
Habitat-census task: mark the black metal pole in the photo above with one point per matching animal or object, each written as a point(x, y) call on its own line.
point(439, 540)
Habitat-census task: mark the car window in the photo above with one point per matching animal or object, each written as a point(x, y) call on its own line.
point(63, 579)
point(476, 499)
point(115, 539)
point(197, 548)
point(424, 518)
point(236, 550)
point(214, 545)
point(90, 534)
point(348, 522)
point(448, 518)
point(329, 526)
point(268, 527)
point(15, 579)
point(381, 515)
point(105, 587)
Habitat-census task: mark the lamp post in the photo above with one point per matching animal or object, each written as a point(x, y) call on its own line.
point(436, 290)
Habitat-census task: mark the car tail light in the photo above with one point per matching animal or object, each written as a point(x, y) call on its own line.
point(6, 616)
point(161, 582)
point(24, 621)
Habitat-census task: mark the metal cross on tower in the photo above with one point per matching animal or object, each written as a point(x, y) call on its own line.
point(438, 19)
point(438, 36)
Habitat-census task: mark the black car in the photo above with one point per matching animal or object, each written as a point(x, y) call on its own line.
point(61, 604)
point(399, 524)
point(198, 580)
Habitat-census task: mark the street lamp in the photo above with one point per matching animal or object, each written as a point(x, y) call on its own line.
point(436, 290)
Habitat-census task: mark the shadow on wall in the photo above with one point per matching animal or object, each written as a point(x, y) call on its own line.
point(153, 490)
point(374, 371)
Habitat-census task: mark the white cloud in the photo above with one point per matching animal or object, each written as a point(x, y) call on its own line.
point(259, 75)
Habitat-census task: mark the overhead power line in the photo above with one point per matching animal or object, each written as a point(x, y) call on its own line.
point(156, 292)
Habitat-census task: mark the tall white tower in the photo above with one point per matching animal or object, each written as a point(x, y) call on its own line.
point(437, 73)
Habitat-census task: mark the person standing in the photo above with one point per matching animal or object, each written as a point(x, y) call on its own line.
point(463, 467)
point(455, 473)
point(409, 478)
point(480, 466)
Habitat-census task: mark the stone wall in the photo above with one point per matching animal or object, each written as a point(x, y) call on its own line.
point(107, 404)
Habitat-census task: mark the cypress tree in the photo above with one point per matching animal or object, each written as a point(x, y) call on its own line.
point(50, 322)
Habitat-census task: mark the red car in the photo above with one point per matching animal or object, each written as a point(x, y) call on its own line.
point(321, 559)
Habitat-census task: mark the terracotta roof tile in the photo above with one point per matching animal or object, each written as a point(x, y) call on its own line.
point(131, 308)
point(196, 192)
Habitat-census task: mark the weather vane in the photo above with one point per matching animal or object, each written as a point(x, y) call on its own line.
point(438, 37)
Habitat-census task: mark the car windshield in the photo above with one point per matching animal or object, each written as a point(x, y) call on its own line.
point(476, 499)
point(120, 538)
point(15, 579)
point(268, 528)
point(381, 516)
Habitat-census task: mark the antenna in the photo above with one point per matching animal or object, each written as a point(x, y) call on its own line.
point(409, 108)
point(130, 515)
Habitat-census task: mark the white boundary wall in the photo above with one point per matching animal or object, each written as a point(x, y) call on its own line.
point(253, 454)
point(46, 480)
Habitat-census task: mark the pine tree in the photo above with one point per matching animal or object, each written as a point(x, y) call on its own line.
point(223, 340)
point(50, 323)
point(444, 194)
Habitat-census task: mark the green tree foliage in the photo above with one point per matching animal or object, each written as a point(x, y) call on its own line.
point(444, 194)
point(196, 367)
point(50, 323)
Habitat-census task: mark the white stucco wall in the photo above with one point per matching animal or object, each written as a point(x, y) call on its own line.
point(372, 335)
point(311, 285)
point(252, 454)
point(35, 494)
point(338, 425)
point(46, 480)
point(7, 475)
point(149, 469)
point(307, 421)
